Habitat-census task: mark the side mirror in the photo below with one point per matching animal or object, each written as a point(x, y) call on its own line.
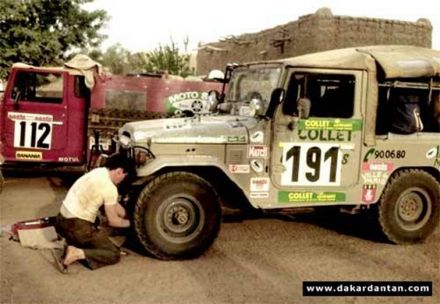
point(276, 98)
point(213, 100)
point(303, 105)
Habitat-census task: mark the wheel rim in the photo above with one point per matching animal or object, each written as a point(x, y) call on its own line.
point(180, 218)
point(413, 209)
point(197, 106)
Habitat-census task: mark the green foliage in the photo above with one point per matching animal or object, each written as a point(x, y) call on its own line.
point(168, 58)
point(40, 32)
point(118, 60)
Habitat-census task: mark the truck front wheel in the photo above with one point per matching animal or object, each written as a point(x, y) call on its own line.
point(409, 208)
point(177, 216)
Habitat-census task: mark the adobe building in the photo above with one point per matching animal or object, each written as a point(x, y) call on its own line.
point(311, 33)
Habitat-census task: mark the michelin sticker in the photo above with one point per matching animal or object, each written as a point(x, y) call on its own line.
point(195, 102)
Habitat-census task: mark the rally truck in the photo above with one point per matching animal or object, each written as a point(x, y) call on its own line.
point(355, 128)
point(63, 117)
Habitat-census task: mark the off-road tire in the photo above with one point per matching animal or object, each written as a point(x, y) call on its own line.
point(177, 216)
point(409, 208)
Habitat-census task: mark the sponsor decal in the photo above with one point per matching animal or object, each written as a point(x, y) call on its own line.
point(324, 135)
point(369, 193)
point(311, 164)
point(257, 166)
point(257, 151)
point(330, 124)
point(380, 154)
point(68, 159)
point(30, 117)
point(33, 130)
point(236, 139)
point(259, 184)
point(195, 102)
point(28, 155)
point(257, 137)
point(239, 169)
point(310, 197)
point(378, 166)
point(192, 139)
point(376, 173)
point(259, 195)
point(375, 177)
point(434, 153)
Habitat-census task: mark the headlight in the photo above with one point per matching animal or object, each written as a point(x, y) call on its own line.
point(141, 155)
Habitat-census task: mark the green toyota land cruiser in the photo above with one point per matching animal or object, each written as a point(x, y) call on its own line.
point(349, 128)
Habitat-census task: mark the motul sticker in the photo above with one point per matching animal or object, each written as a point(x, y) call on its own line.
point(259, 184)
point(28, 155)
point(257, 151)
point(369, 193)
point(68, 159)
point(239, 169)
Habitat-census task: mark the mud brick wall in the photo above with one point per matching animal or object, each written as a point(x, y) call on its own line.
point(311, 33)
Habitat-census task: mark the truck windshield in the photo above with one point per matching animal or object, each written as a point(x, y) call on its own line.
point(253, 82)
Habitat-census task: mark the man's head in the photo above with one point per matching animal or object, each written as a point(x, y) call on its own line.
point(120, 167)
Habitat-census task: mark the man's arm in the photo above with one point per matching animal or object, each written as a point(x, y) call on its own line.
point(115, 214)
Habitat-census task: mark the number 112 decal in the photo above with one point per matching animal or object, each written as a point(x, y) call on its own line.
point(310, 164)
point(32, 130)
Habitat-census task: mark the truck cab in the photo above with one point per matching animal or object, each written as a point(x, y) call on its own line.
point(64, 117)
point(43, 116)
point(353, 128)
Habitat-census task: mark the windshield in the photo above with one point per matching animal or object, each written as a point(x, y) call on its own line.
point(254, 82)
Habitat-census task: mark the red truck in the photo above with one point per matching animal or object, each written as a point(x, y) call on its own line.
point(53, 116)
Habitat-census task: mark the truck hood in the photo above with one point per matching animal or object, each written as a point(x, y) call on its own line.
point(202, 129)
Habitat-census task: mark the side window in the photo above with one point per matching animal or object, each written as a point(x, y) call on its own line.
point(330, 95)
point(38, 87)
point(406, 108)
point(80, 88)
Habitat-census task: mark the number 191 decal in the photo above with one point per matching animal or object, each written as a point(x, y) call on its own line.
point(309, 164)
